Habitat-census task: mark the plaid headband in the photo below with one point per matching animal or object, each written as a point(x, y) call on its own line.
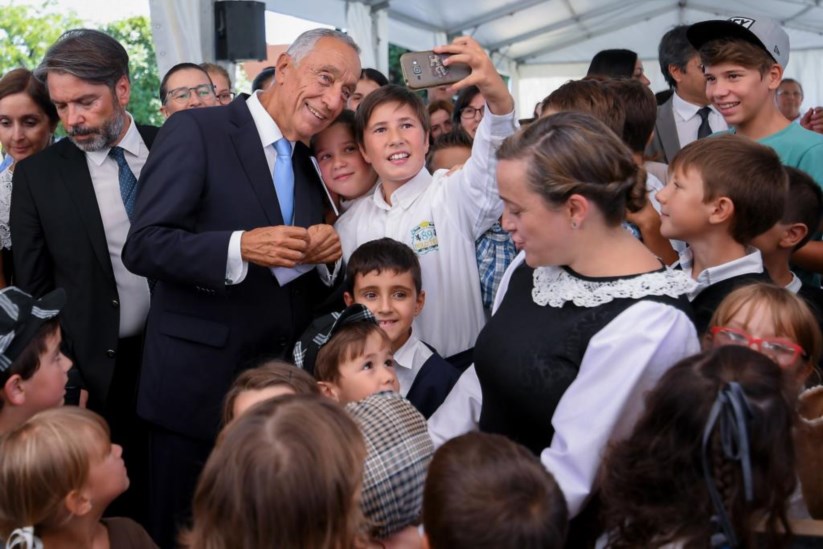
point(399, 450)
point(321, 331)
point(20, 317)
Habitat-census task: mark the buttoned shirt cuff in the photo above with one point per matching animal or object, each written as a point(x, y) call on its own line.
point(236, 268)
point(328, 277)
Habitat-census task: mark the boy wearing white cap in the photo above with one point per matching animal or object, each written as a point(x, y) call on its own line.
point(743, 61)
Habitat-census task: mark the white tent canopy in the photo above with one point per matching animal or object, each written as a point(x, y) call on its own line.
point(538, 43)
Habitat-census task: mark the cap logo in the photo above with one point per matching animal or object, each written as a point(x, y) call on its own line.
point(744, 22)
point(776, 50)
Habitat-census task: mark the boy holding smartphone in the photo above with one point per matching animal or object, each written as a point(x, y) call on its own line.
point(439, 216)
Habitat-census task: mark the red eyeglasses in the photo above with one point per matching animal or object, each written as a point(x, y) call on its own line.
point(781, 350)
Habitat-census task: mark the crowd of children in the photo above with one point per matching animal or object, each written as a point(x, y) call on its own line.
point(548, 286)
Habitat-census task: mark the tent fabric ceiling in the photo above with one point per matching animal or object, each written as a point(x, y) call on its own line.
point(568, 31)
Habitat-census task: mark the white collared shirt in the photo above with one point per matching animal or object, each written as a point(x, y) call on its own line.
point(132, 290)
point(795, 285)
point(688, 121)
point(269, 133)
point(410, 358)
point(440, 217)
point(752, 262)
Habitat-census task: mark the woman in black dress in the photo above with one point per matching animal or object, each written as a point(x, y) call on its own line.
point(586, 319)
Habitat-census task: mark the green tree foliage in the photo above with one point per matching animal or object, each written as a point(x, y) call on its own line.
point(27, 31)
point(135, 35)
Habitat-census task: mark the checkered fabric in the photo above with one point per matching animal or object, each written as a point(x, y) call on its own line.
point(320, 331)
point(495, 251)
point(399, 451)
point(20, 317)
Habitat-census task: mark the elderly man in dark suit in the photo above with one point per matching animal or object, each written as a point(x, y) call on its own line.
point(229, 222)
point(70, 214)
point(686, 116)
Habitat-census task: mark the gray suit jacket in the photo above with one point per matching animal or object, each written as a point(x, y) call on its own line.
point(665, 144)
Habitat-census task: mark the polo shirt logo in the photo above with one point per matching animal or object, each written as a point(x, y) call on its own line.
point(424, 238)
point(744, 22)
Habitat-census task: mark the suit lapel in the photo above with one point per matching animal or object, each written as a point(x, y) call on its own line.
point(308, 199)
point(148, 133)
point(668, 130)
point(80, 188)
point(247, 146)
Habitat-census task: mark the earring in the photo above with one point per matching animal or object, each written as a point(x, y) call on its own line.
point(574, 224)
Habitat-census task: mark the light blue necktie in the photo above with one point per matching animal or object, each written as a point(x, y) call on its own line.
point(128, 183)
point(284, 179)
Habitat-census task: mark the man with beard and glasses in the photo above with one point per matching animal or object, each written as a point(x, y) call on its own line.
point(71, 212)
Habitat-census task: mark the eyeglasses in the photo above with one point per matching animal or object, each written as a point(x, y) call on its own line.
point(467, 113)
point(783, 352)
point(225, 97)
point(179, 95)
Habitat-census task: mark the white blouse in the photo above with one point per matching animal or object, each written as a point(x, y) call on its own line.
point(622, 362)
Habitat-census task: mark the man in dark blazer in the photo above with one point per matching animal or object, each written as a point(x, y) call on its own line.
point(209, 228)
point(680, 117)
point(69, 222)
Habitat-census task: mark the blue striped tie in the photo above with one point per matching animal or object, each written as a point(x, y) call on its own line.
point(128, 183)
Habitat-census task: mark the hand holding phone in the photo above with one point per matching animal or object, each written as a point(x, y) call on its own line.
point(484, 75)
point(426, 69)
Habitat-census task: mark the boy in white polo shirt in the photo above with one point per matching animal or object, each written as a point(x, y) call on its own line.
point(439, 216)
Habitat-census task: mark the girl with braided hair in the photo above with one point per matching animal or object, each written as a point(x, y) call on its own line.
point(710, 459)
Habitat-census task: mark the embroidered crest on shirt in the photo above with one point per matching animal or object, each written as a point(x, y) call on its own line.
point(424, 238)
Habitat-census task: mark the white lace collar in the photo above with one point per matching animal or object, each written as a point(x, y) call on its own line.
point(556, 286)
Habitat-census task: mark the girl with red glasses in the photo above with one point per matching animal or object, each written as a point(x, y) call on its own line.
point(773, 321)
point(783, 327)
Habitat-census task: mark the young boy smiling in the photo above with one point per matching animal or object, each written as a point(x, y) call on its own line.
point(743, 61)
point(384, 275)
point(722, 192)
point(440, 216)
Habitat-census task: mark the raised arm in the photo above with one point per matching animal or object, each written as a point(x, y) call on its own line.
point(472, 190)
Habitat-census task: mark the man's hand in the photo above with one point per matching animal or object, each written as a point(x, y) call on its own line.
point(324, 245)
point(280, 246)
point(813, 120)
point(484, 75)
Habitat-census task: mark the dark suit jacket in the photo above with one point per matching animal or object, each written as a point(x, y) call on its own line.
point(59, 242)
point(665, 144)
point(206, 177)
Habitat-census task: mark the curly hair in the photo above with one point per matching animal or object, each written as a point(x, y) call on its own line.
point(653, 488)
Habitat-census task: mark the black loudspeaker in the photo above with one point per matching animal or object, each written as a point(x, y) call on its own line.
point(240, 29)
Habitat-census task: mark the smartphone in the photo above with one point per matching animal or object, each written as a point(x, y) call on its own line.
point(425, 69)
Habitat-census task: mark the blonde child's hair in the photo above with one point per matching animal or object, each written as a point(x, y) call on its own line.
point(44, 460)
point(287, 473)
point(790, 315)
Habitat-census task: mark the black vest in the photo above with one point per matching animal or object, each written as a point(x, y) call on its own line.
point(527, 356)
